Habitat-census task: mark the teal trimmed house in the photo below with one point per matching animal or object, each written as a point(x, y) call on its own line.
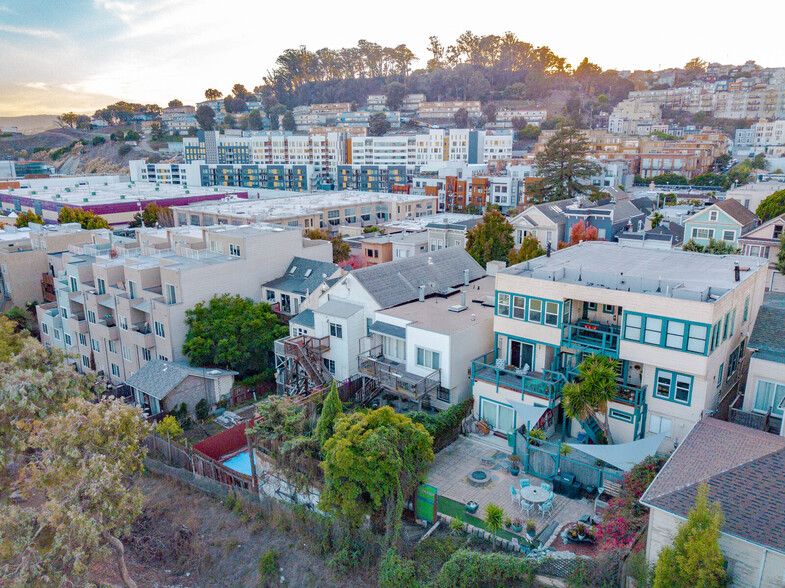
point(727, 220)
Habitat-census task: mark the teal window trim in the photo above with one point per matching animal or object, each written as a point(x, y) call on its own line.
point(484, 399)
point(605, 308)
point(746, 314)
point(527, 308)
point(672, 392)
point(664, 333)
point(592, 306)
point(620, 415)
point(725, 328)
point(732, 323)
point(509, 304)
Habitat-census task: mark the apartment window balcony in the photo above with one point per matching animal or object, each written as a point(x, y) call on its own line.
point(544, 386)
point(592, 336)
point(392, 375)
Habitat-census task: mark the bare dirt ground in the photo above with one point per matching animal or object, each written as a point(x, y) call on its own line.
point(187, 539)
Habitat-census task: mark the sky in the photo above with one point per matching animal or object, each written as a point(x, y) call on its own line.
point(79, 55)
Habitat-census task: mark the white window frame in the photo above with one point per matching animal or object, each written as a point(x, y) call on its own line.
point(658, 424)
point(160, 330)
point(427, 358)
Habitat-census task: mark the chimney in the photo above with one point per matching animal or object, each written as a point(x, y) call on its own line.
point(466, 277)
point(422, 293)
point(463, 297)
point(493, 267)
point(736, 274)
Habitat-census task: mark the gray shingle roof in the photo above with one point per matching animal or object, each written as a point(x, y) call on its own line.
point(295, 279)
point(745, 471)
point(388, 329)
point(304, 319)
point(769, 326)
point(737, 211)
point(339, 308)
point(547, 208)
point(398, 281)
point(157, 378)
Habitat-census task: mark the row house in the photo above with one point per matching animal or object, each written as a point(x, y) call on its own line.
point(677, 322)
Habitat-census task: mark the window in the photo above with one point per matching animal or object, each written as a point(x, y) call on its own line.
point(336, 331)
point(234, 250)
point(101, 283)
point(769, 396)
point(64, 312)
point(732, 323)
point(519, 307)
point(725, 328)
point(163, 357)
point(675, 337)
point(673, 386)
point(82, 339)
point(608, 308)
point(74, 284)
point(620, 415)
point(67, 338)
point(728, 235)
point(115, 370)
point(112, 346)
point(498, 416)
point(45, 328)
point(443, 394)
point(270, 295)
point(632, 327)
point(658, 424)
point(91, 316)
point(95, 345)
point(126, 353)
point(329, 364)
point(159, 329)
point(124, 323)
point(713, 215)
point(503, 304)
point(552, 314)
point(653, 334)
point(697, 338)
point(535, 311)
point(592, 306)
point(146, 354)
point(394, 348)
point(57, 334)
point(746, 314)
point(702, 233)
point(85, 361)
point(427, 358)
point(715, 335)
point(170, 294)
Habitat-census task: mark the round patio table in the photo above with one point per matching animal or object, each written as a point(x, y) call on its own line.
point(535, 494)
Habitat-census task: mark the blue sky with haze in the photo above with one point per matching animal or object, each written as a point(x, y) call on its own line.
point(60, 55)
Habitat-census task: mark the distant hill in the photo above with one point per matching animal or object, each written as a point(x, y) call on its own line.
point(28, 125)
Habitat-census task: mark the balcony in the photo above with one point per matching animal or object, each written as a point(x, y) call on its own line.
point(630, 395)
point(592, 337)
point(545, 386)
point(393, 376)
point(77, 322)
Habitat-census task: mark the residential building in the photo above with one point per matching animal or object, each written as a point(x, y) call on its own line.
point(121, 304)
point(631, 117)
point(411, 102)
point(420, 350)
point(766, 241)
point(751, 195)
point(362, 118)
point(546, 222)
point(676, 321)
point(178, 119)
point(374, 178)
point(743, 470)
point(300, 286)
point(446, 110)
point(325, 342)
point(325, 210)
point(116, 201)
point(666, 235)
point(761, 136)
point(161, 386)
point(164, 173)
point(726, 220)
point(23, 258)
point(450, 230)
point(533, 115)
point(23, 169)
point(385, 248)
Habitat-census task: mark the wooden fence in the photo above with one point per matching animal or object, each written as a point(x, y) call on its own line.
point(241, 394)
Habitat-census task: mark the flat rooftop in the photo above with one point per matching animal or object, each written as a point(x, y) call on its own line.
point(298, 204)
point(434, 314)
point(660, 272)
point(442, 218)
point(79, 194)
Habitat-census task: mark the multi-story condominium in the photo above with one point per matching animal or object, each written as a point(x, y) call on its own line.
point(116, 201)
point(20, 169)
point(178, 119)
point(760, 136)
point(326, 210)
point(631, 117)
point(362, 118)
point(374, 178)
point(727, 221)
point(533, 115)
point(119, 305)
point(751, 195)
point(184, 174)
point(677, 322)
point(23, 258)
point(411, 102)
point(765, 241)
point(326, 342)
point(447, 110)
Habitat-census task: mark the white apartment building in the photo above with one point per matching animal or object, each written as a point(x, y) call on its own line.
point(533, 115)
point(447, 110)
point(632, 117)
point(178, 119)
point(119, 305)
point(677, 322)
point(760, 136)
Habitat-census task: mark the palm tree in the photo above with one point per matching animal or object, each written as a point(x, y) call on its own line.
point(597, 387)
point(494, 518)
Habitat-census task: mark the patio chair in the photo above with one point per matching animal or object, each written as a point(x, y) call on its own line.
point(515, 498)
point(526, 369)
point(500, 363)
point(525, 482)
point(526, 506)
point(546, 507)
point(546, 486)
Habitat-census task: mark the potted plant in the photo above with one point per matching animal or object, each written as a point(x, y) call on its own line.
point(517, 525)
point(515, 465)
point(590, 536)
point(580, 530)
point(472, 506)
point(507, 523)
point(535, 436)
point(531, 529)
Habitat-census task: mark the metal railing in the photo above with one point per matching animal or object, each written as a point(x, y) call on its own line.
point(597, 337)
point(546, 384)
point(394, 377)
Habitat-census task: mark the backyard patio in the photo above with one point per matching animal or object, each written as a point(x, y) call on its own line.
point(450, 474)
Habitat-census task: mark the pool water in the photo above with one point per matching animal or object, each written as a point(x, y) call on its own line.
point(239, 463)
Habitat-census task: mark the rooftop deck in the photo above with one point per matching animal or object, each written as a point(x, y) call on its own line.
point(544, 385)
point(392, 375)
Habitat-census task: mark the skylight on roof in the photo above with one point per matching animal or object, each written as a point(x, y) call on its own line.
point(308, 272)
point(294, 269)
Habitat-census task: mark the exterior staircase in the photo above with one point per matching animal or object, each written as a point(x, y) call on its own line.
point(592, 428)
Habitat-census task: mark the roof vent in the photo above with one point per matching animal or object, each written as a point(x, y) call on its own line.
point(457, 308)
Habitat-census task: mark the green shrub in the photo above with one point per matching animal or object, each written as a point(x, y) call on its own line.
point(442, 424)
point(397, 572)
point(202, 409)
point(124, 150)
point(98, 140)
point(470, 569)
point(268, 566)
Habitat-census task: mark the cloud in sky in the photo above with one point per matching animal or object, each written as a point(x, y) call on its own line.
point(155, 50)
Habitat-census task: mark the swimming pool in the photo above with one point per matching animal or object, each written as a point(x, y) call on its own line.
point(240, 462)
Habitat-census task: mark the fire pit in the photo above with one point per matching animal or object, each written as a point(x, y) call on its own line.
point(479, 478)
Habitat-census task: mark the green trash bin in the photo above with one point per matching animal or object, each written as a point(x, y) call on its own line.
point(511, 438)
